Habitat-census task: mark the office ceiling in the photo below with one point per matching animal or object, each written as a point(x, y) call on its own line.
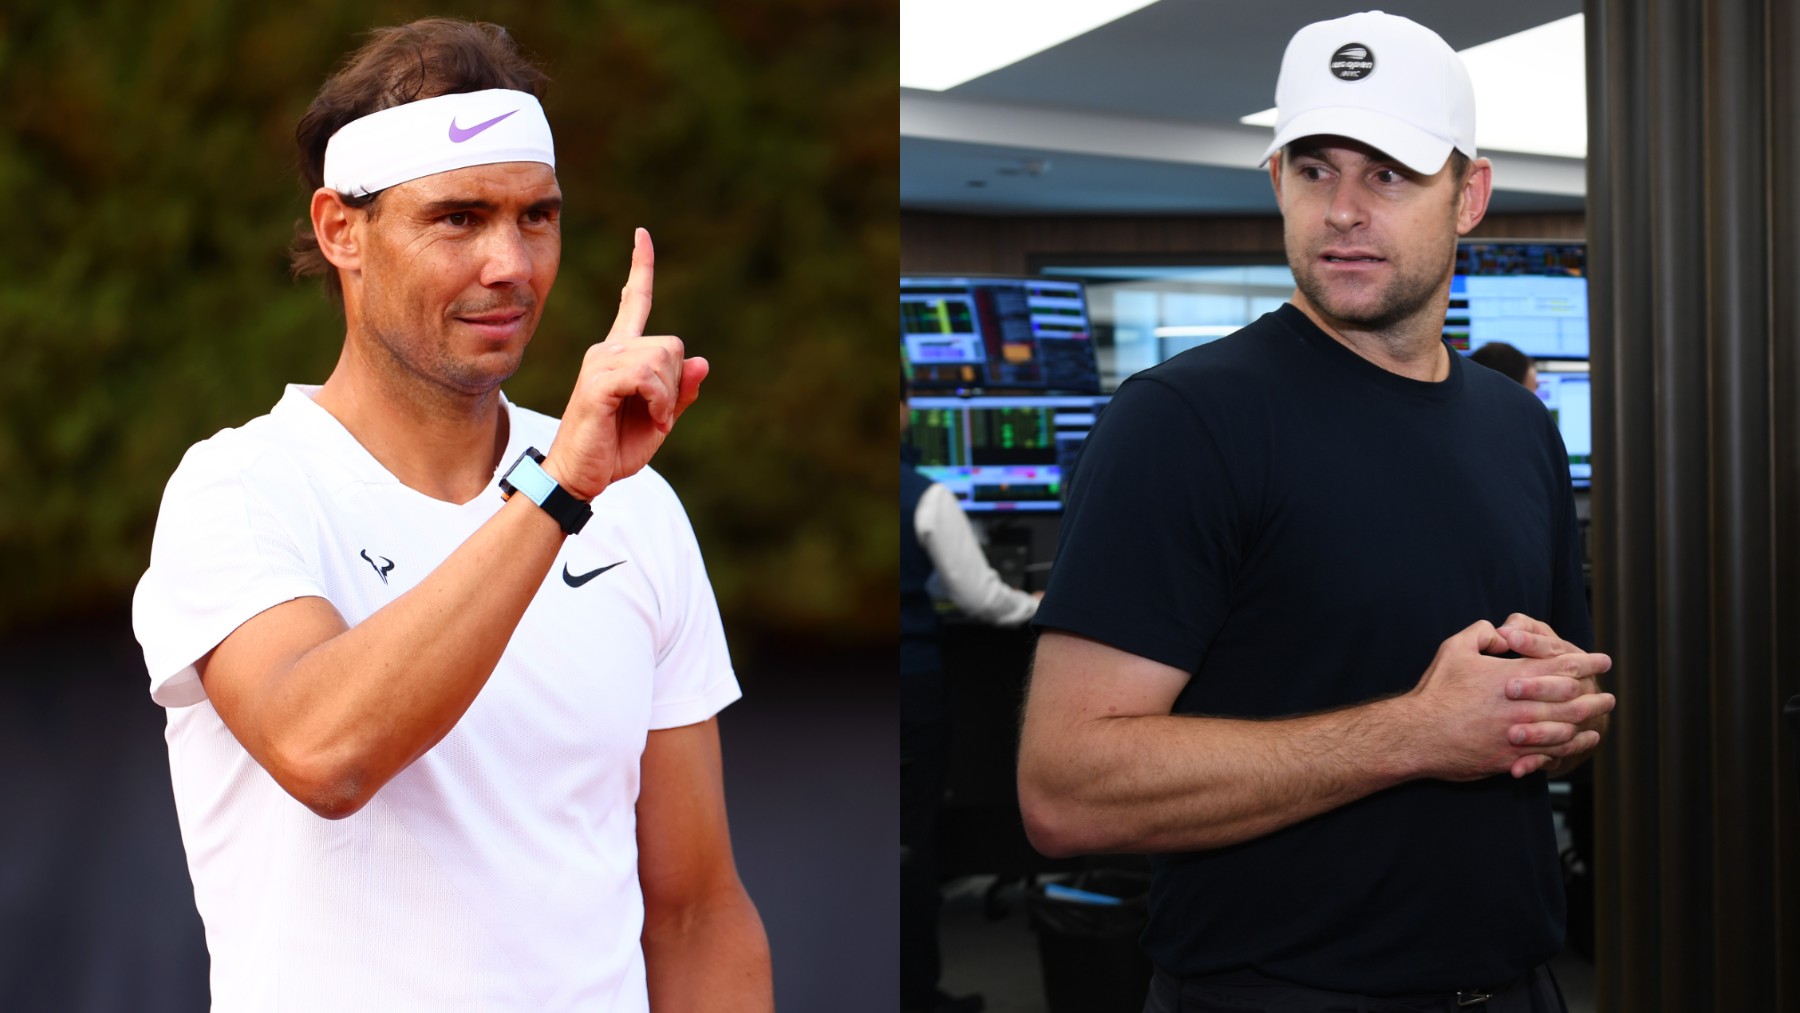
point(1140, 116)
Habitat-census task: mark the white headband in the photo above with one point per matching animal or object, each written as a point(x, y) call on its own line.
point(437, 135)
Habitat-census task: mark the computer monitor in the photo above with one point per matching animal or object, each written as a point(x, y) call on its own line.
point(1001, 453)
point(1563, 387)
point(1532, 296)
point(997, 334)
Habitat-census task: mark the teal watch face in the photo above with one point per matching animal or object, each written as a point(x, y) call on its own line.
point(529, 478)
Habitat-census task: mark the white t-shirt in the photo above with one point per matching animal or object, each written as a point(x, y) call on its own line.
point(946, 535)
point(497, 872)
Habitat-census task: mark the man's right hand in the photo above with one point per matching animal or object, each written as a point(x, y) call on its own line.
point(1470, 728)
point(631, 390)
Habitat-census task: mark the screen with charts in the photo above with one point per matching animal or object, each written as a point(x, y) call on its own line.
point(1532, 296)
point(998, 334)
point(1001, 452)
point(1563, 387)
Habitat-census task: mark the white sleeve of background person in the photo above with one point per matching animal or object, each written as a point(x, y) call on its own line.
point(948, 538)
point(222, 553)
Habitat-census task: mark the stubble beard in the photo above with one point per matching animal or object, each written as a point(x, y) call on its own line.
point(1404, 297)
point(427, 364)
point(429, 378)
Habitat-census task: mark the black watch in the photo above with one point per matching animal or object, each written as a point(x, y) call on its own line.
point(528, 476)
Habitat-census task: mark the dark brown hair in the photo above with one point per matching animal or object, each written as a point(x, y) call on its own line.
point(1459, 166)
point(423, 59)
point(1504, 358)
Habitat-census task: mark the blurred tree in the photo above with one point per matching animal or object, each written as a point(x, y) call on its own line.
point(145, 301)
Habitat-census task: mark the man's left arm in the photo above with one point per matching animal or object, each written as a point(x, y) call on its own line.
point(704, 945)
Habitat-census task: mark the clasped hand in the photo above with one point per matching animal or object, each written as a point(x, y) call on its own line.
point(631, 389)
point(1485, 714)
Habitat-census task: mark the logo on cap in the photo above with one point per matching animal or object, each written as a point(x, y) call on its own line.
point(1353, 62)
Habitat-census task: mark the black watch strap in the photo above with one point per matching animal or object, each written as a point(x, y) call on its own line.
point(527, 476)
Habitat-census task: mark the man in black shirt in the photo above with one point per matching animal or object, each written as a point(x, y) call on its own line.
point(1269, 539)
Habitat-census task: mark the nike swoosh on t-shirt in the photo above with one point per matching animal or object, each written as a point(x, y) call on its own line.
point(576, 581)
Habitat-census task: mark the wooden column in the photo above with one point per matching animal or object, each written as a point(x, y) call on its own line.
point(1696, 511)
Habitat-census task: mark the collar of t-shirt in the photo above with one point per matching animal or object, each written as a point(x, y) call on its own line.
point(1333, 354)
point(299, 409)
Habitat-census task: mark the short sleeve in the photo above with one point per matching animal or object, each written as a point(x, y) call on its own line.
point(694, 678)
point(1150, 535)
point(222, 553)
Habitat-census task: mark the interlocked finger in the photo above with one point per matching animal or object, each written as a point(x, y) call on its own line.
point(1548, 688)
point(1533, 762)
point(1542, 733)
point(1537, 645)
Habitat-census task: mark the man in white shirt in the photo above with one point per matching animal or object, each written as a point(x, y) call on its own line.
point(935, 538)
point(441, 705)
point(977, 589)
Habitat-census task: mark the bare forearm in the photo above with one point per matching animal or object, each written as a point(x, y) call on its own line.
point(713, 959)
point(1175, 783)
point(1104, 766)
point(358, 708)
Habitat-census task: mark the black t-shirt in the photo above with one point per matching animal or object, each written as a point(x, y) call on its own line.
point(1300, 529)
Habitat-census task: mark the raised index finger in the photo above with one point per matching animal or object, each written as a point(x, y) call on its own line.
point(634, 298)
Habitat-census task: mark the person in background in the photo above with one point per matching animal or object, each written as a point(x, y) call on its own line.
point(1508, 362)
point(935, 538)
point(1317, 630)
point(441, 704)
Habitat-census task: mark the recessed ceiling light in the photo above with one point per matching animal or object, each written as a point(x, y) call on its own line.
point(1530, 90)
point(944, 43)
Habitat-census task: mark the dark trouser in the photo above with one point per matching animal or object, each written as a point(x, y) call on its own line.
point(1247, 991)
point(924, 738)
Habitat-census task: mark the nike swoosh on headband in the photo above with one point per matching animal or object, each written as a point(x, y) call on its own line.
point(461, 134)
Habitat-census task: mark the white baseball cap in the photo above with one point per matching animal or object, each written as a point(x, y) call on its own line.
point(1388, 82)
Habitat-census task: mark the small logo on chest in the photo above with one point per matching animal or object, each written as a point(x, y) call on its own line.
point(381, 568)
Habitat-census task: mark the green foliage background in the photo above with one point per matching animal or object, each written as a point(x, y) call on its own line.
point(147, 156)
